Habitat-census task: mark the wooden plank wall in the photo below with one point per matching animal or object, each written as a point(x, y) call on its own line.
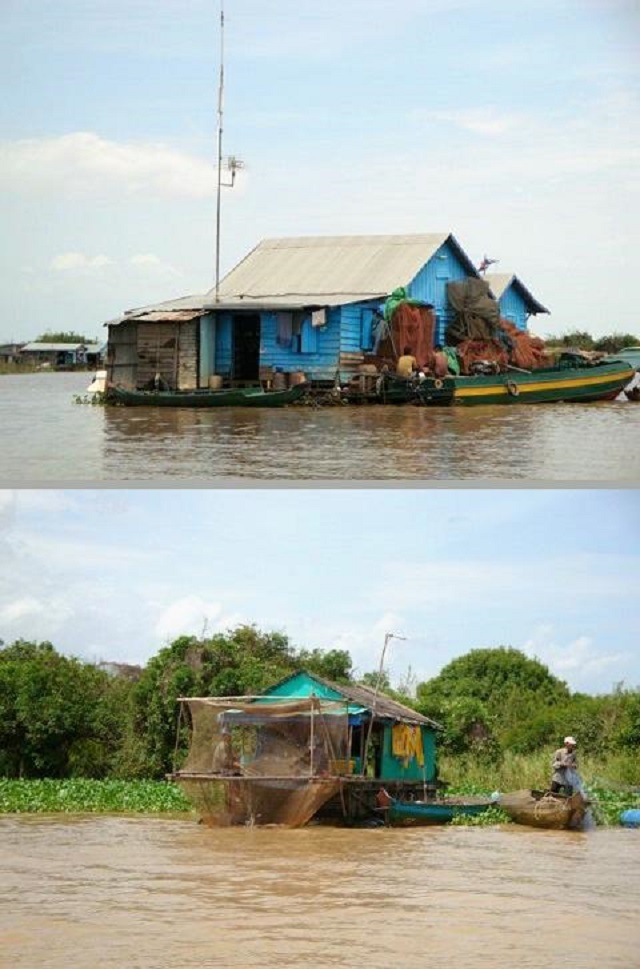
point(170, 349)
point(122, 355)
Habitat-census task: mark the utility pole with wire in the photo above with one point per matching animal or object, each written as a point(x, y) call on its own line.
point(387, 638)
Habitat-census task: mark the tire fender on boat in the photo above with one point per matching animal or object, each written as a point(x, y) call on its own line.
point(438, 383)
point(513, 388)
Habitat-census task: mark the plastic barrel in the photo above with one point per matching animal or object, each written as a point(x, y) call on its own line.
point(631, 818)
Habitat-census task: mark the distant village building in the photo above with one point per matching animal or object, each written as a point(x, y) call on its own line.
point(516, 302)
point(10, 352)
point(62, 355)
point(308, 305)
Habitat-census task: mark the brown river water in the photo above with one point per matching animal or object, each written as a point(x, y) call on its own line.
point(155, 892)
point(48, 438)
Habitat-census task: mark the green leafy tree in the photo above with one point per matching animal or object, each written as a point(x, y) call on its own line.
point(58, 715)
point(241, 661)
point(492, 697)
point(615, 342)
point(61, 336)
point(578, 339)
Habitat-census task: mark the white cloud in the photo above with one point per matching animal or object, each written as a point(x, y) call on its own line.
point(83, 162)
point(193, 615)
point(36, 618)
point(578, 660)
point(479, 121)
point(74, 261)
point(153, 263)
point(363, 639)
point(19, 609)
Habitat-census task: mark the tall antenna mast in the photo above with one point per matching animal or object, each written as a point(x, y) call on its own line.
point(233, 164)
point(220, 110)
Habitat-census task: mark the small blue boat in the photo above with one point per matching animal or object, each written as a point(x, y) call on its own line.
point(440, 811)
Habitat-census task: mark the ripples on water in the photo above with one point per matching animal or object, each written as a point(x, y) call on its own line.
point(46, 437)
point(111, 892)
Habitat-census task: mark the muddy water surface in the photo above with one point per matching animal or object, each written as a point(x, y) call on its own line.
point(111, 892)
point(48, 438)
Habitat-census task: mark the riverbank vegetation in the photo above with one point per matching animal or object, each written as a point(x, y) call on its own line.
point(74, 733)
point(87, 796)
point(581, 340)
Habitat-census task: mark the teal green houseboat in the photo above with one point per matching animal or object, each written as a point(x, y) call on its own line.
point(307, 748)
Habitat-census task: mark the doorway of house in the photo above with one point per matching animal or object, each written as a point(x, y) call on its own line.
point(246, 347)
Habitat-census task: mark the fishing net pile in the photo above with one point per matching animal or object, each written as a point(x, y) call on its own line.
point(264, 762)
point(477, 339)
point(407, 323)
point(481, 336)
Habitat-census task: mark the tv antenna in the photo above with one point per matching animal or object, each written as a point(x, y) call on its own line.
point(231, 164)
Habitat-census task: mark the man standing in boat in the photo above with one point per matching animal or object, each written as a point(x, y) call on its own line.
point(565, 764)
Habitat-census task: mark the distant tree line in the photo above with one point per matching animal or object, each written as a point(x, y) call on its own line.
point(62, 717)
point(581, 340)
point(64, 336)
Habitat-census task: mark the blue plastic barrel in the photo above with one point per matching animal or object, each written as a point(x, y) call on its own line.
point(631, 818)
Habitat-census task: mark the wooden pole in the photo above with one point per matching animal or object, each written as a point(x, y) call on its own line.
point(219, 180)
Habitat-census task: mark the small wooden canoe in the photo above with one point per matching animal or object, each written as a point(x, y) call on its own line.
point(542, 809)
point(441, 811)
point(233, 397)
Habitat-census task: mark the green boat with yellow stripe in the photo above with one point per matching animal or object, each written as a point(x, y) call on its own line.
point(567, 382)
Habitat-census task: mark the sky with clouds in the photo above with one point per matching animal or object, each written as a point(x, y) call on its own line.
point(115, 575)
point(513, 125)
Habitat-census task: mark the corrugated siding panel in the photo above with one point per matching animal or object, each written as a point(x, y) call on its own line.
point(430, 285)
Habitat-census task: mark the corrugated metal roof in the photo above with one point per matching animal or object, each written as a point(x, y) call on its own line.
point(328, 269)
point(166, 316)
point(366, 697)
point(60, 347)
point(291, 273)
point(500, 282)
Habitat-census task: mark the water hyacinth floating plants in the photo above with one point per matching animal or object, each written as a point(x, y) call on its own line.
point(78, 796)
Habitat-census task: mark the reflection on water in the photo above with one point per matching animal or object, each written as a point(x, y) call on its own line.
point(46, 437)
point(155, 892)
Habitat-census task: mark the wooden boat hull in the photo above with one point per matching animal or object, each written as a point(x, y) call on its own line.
point(602, 381)
point(540, 809)
point(418, 813)
point(238, 397)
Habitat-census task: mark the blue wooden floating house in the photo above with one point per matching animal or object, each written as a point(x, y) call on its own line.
point(516, 302)
point(294, 306)
point(401, 742)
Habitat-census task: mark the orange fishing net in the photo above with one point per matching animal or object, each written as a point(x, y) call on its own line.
point(412, 327)
point(525, 351)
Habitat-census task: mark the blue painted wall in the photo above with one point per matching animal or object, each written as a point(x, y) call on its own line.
point(316, 352)
point(349, 328)
point(513, 307)
point(430, 285)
